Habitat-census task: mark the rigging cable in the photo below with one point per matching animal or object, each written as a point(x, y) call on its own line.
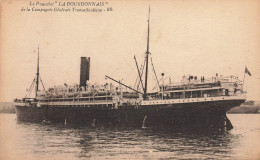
point(157, 84)
point(30, 89)
point(154, 72)
point(127, 78)
point(141, 75)
point(42, 84)
point(137, 78)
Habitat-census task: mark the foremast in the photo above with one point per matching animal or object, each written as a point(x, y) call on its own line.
point(37, 74)
point(147, 56)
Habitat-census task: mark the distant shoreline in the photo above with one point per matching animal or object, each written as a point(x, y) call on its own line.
point(7, 107)
point(251, 107)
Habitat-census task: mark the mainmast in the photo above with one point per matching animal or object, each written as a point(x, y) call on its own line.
point(147, 56)
point(37, 75)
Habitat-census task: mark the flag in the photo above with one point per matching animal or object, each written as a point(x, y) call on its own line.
point(247, 72)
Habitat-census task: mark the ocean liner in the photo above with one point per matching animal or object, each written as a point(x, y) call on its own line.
point(195, 101)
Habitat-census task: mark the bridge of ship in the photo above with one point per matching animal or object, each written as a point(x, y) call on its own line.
point(192, 95)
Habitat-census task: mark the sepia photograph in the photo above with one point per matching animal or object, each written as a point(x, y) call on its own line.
point(148, 79)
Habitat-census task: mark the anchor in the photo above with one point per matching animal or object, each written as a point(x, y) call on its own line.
point(144, 121)
point(228, 124)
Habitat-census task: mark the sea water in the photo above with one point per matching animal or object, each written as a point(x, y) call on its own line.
point(59, 141)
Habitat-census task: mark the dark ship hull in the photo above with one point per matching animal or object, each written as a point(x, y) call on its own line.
point(210, 114)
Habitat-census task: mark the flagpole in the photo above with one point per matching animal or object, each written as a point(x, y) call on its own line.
point(244, 79)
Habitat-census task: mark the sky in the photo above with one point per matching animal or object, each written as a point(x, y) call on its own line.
point(197, 37)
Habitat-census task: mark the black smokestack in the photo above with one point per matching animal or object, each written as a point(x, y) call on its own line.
point(84, 70)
